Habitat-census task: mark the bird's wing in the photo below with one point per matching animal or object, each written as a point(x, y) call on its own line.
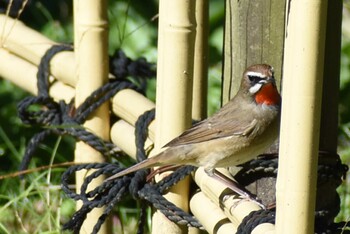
point(214, 128)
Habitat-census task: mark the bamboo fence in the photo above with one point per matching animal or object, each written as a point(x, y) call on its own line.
point(183, 25)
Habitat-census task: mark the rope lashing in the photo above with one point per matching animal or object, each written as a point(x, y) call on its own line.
point(111, 192)
point(62, 118)
point(253, 219)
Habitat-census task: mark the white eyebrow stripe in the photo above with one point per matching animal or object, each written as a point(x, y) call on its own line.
point(258, 74)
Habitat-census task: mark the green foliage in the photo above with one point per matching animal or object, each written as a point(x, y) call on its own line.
point(344, 118)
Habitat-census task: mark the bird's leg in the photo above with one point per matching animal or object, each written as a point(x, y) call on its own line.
point(233, 185)
point(161, 170)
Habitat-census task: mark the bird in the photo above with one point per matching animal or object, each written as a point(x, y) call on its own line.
point(241, 130)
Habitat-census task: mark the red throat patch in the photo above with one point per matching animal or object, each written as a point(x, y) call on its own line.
point(268, 95)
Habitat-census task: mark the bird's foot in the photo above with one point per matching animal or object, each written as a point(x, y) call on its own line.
point(235, 187)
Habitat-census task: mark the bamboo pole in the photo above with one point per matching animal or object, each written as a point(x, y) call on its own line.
point(200, 71)
point(300, 121)
point(25, 78)
point(174, 90)
point(91, 46)
point(234, 208)
point(31, 46)
point(216, 222)
point(129, 105)
point(200, 74)
point(23, 74)
point(123, 135)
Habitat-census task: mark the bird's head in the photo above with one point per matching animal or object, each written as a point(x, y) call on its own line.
point(259, 83)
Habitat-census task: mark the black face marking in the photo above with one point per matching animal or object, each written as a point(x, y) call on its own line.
point(255, 79)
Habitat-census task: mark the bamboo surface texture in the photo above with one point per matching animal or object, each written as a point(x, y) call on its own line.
point(23, 74)
point(30, 45)
point(91, 51)
point(300, 121)
point(200, 70)
point(176, 38)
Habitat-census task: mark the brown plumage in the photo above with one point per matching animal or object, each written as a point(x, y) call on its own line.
point(238, 132)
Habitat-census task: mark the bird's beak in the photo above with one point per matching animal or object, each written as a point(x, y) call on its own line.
point(270, 79)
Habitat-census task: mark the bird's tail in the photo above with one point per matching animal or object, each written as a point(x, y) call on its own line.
point(148, 163)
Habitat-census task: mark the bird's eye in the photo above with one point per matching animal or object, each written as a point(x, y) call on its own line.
point(255, 79)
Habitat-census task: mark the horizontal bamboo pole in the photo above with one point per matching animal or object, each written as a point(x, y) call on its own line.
point(232, 205)
point(264, 228)
point(23, 74)
point(136, 105)
point(131, 109)
point(31, 45)
point(123, 135)
point(210, 215)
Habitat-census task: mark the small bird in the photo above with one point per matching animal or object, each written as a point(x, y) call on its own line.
point(242, 129)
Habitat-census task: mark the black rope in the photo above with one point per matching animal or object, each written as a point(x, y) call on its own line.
point(110, 193)
point(329, 168)
point(333, 228)
point(134, 184)
point(62, 119)
point(255, 218)
point(141, 133)
point(44, 68)
point(123, 67)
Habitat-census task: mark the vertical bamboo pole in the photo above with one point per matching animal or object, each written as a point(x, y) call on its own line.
point(200, 72)
point(91, 46)
point(174, 89)
point(300, 121)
